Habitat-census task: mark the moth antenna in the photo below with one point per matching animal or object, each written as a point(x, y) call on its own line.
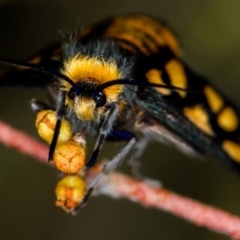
point(38, 68)
point(138, 83)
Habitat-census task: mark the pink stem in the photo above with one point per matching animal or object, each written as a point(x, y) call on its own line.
point(22, 142)
point(147, 195)
point(160, 198)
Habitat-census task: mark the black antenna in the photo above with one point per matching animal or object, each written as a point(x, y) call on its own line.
point(56, 74)
point(38, 68)
point(138, 83)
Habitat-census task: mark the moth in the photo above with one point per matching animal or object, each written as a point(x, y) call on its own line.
point(126, 73)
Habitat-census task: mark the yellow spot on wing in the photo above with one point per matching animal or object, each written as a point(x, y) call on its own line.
point(56, 54)
point(228, 119)
point(215, 101)
point(36, 60)
point(233, 149)
point(177, 75)
point(134, 39)
point(154, 76)
point(199, 117)
point(143, 31)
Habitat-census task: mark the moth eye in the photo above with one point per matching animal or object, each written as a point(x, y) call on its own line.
point(99, 98)
point(72, 93)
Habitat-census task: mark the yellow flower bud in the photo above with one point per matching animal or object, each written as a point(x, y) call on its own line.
point(70, 192)
point(70, 156)
point(46, 122)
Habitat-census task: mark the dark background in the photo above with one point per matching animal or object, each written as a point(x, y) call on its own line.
point(209, 33)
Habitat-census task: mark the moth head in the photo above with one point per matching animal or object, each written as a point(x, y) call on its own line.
point(86, 97)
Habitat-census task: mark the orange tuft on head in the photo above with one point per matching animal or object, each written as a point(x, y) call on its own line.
point(96, 70)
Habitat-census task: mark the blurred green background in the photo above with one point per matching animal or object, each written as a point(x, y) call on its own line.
point(209, 33)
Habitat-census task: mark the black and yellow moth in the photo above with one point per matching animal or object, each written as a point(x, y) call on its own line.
point(127, 73)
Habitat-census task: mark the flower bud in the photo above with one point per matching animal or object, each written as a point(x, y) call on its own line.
point(70, 192)
point(46, 122)
point(70, 156)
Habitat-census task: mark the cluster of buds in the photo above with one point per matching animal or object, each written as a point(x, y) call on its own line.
point(70, 152)
point(69, 158)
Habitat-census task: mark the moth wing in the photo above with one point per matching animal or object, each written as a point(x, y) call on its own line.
point(24, 77)
point(186, 119)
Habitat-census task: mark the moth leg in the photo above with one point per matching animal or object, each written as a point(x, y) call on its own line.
point(135, 160)
point(118, 159)
point(61, 112)
point(120, 136)
point(37, 105)
point(104, 131)
point(137, 151)
point(109, 167)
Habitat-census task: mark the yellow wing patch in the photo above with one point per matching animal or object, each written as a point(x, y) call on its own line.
point(154, 76)
point(135, 29)
point(233, 149)
point(177, 75)
point(36, 60)
point(228, 119)
point(215, 101)
point(199, 117)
